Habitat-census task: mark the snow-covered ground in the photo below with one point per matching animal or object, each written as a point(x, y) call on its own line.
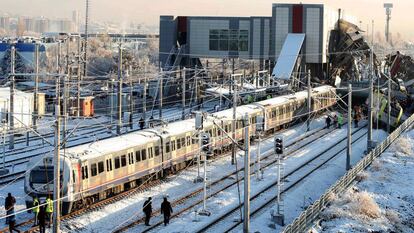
point(383, 200)
point(120, 213)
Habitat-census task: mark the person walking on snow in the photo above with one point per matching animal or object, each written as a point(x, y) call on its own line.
point(328, 122)
point(49, 210)
point(340, 120)
point(166, 209)
point(36, 211)
point(147, 208)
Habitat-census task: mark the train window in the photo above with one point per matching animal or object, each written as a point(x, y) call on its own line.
point(123, 160)
point(85, 172)
point(73, 176)
point(130, 158)
point(138, 156)
point(188, 141)
point(109, 164)
point(143, 154)
point(94, 169)
point(178, 143)
point(194, 141)
point(101, 167)
point(182, 142)
point(117, 163)
point(219, 132)
point(173, 145)
point(157, 150)
point(167, 147)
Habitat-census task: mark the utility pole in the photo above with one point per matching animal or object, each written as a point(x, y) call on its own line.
point(11, 107)
point(309, 101)
point(196, 91)
point(131, 105)
point(36, 87)
point(144, 97)
point(56, 166)
point(85, 55)
point(348, 149)
point(183, 94)
point(233, 128)
point(389, 104)
point(78, 91)
point(160, 95)
point(371, 89)
point(112, 103)
point(119, 125)
point(246, 205)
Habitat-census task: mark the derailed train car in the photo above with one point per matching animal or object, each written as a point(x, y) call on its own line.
point(95, 171)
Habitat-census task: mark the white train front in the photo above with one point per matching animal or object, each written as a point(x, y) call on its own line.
point(97, 170)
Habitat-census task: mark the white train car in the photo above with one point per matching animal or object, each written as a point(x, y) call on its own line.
point(97, 170)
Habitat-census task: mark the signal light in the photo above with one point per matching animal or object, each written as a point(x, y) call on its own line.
point(278, 145)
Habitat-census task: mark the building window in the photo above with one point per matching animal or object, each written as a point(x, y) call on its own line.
point(229, 40)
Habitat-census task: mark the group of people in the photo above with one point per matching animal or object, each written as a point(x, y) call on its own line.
point(41, 213)
point(338, 120)
point(166, 209)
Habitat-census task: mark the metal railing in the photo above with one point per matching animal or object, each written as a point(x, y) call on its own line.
point(307, 217)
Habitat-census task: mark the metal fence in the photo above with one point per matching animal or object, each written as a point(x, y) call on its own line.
point(307, 217)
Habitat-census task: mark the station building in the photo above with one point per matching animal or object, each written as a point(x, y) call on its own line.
point(186, 39)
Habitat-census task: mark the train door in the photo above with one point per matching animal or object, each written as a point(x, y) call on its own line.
point(167, 152)
point(84, 175)
point(150, 156)
point(109, 168)
point(76, 177)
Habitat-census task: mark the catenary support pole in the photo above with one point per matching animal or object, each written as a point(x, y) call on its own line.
point(36, 88)
point(11, 107)
point(371, 96)
point(309, 101)
point(144, 100)
point(131, 102)
point(246, 205)
point(56, 167)
point(234, 123)
point(389, 104)
point(183, 93)
point(160, 96)
point(119, 106)
point(258, 169)
point(348, 149)
point(78, 81)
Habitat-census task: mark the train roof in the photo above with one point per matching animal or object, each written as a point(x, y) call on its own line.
point(110, 145)
point(240, 111)
point(298, 95)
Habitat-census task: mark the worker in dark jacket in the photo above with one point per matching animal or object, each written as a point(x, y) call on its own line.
point(328, 122)
point(141, 123)
point(10, 201)
point(147, 208)
point(41, 218)
point(166, 210)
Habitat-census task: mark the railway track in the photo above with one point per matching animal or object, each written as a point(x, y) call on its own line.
point(194, 198)
point(101, 204)
point(265, 197)
point(42, 149)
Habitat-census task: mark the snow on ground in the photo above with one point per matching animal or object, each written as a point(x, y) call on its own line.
point(383, 200)
point(129, 209)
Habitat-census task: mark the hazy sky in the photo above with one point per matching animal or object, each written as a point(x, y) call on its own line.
point(148, 11)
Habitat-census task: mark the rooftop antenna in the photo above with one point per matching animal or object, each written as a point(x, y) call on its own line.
point(388, 7)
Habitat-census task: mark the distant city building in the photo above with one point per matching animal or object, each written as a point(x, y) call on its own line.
point(5, 22)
